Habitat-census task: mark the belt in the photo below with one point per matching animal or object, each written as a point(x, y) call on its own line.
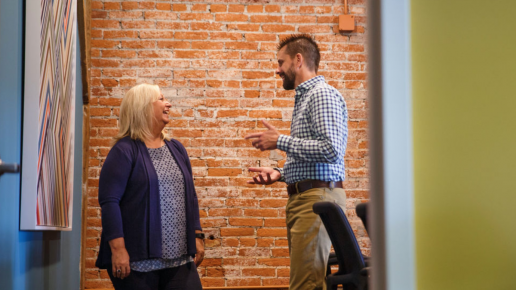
point(305, 185)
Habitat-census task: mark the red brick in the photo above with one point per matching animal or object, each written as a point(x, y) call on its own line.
point(275, 222)
point(138, 63)
point(196, 16)
point(111, 5)
point(233, 282)
point(236, 232)
point(242, 45)
point(252, 222)
point(313, 29)
point(214, 8)
point(231, 17)
point(228, 212)
point(127, 5)
point(189, 54)
point(266, 19)
point(104, 43)
point(261, 272)
point(99, 23)
point(300, 19)
point(256, 75)
point(206, 26)
point(226, 35)
point(260, 37)
point(138, 24)
point(105, 63)
point(179, 7)
point(202, 45)
point(272, 8)
point(278, 28)
point(254, 8)
point(328, 19)
point(98, 14)
point(156, 34)
point(120, 34)
point(96, 34)
point(169, 25)
point(160, 15)
point(173, 44)
point(125, 14)
point(164, 6)
point(154, 54)
point(348, 47)
point(215, 272)
point(97, 5)
point(273, 203)
point(191, 35)
point(139, 44)
point(236, 8)
point(261, 212)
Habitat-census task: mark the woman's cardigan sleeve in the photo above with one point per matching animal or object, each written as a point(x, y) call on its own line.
point(112, 184)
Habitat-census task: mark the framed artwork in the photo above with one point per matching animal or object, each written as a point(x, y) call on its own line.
point(48, 115)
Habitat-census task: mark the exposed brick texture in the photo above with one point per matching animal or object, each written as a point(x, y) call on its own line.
point(215, 62)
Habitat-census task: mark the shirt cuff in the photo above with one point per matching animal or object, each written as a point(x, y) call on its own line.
point(282, 178)
point(283, 142)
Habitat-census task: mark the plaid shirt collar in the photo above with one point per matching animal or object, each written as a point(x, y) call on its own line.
point(308, 85)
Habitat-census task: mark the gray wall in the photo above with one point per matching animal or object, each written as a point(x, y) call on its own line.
point(30, 260)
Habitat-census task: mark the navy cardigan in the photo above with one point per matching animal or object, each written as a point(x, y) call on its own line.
point(129, 198)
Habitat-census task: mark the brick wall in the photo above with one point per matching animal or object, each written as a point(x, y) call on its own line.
point(215, 62)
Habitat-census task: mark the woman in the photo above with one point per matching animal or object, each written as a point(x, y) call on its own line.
point(151, 232)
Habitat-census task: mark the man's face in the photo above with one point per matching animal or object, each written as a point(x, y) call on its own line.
point(286, 69)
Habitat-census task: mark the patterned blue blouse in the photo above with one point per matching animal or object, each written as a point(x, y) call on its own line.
point(173, 214)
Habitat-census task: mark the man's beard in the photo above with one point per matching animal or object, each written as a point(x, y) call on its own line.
point(289, 78)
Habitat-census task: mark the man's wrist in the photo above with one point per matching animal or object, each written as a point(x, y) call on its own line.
point(282, 178)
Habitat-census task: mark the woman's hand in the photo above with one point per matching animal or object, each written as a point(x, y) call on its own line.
point(119, 258)
point(199, 256)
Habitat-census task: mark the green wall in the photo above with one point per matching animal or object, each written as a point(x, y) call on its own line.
point(464, 108)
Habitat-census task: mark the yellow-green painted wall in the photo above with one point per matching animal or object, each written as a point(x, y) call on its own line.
point(464, 112)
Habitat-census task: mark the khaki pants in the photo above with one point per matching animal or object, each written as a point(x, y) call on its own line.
point(308, 242)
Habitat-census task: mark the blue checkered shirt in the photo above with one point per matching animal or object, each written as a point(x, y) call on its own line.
point(318, 134)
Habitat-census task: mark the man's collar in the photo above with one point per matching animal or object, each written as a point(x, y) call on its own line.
point(309, 84)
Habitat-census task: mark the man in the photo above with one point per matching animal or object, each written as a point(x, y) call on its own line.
point(314, 170)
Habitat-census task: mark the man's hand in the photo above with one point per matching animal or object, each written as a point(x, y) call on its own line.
point(266, 140)
point(199, 256)
point(266, 175)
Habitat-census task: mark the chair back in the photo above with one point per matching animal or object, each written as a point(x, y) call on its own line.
point(342, 237)
point(361, 210)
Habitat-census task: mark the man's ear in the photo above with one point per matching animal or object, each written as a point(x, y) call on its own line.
point(299, 60)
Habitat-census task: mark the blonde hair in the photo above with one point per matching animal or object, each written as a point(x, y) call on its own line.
point(136, 113)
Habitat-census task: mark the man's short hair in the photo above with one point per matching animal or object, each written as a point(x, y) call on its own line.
point(306, 46)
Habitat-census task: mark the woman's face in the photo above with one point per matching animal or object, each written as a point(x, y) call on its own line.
point(161, 109)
